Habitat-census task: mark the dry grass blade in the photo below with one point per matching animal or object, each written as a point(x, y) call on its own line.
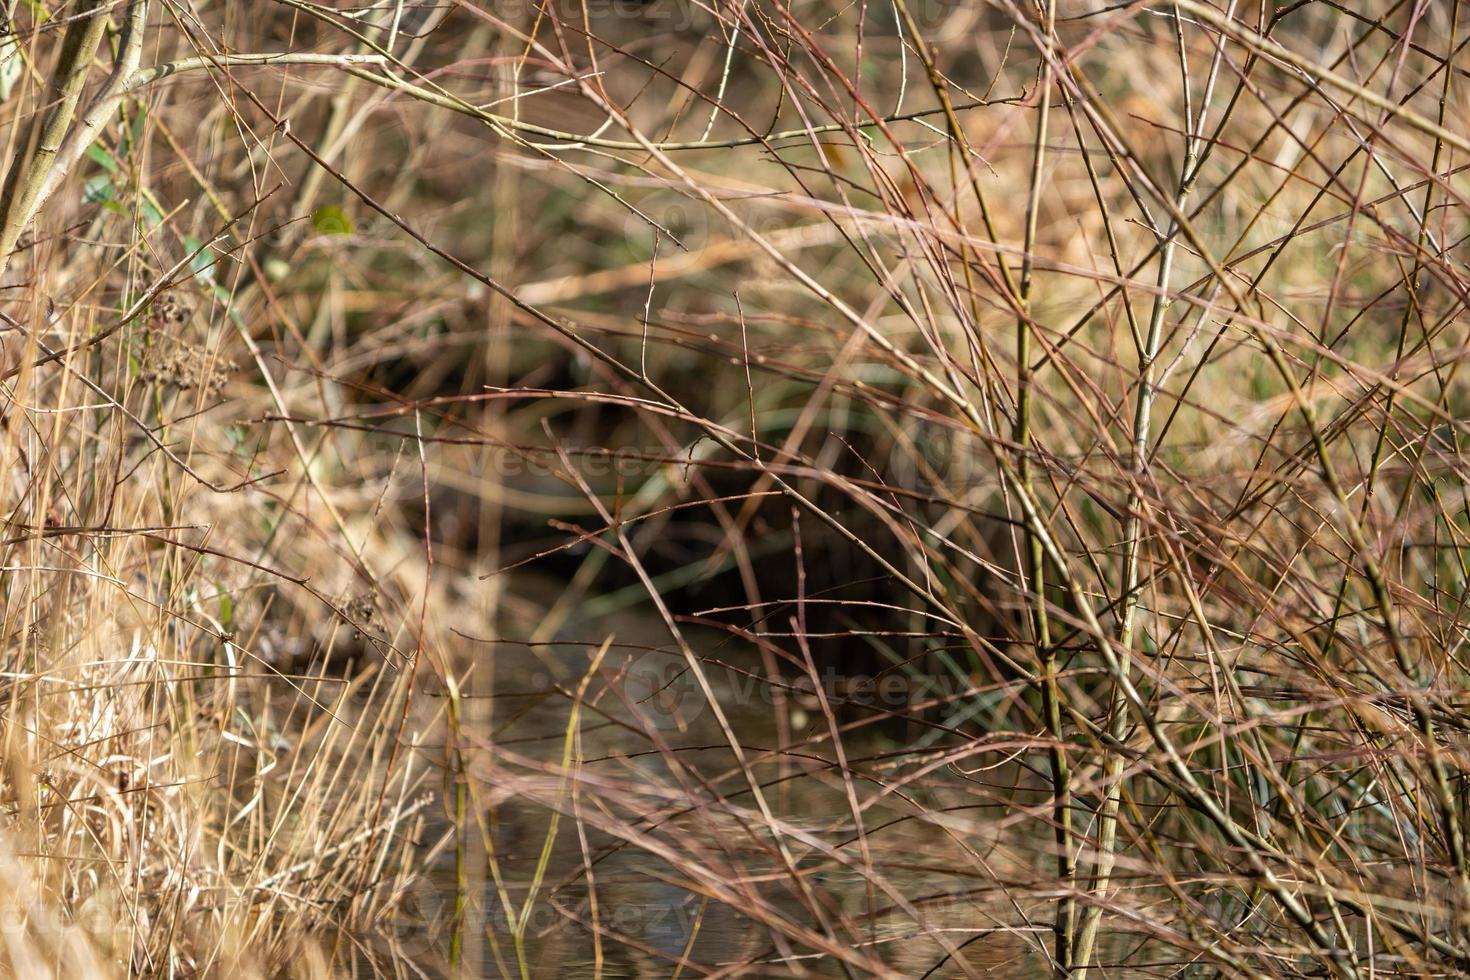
point(908, 488)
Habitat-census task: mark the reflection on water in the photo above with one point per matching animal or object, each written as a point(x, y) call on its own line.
point(662, 862)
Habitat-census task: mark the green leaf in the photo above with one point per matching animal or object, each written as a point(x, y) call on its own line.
point(97, 189)
point(134, 132)
point(12, 64)
point(203, 260)
point(102, 156)
point(331, 220)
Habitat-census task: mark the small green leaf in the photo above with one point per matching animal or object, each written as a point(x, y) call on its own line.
point(12, 63)
point(203, 260)
point(97, 189)
point(331, 220)
point(102, 156)
point(133, 135)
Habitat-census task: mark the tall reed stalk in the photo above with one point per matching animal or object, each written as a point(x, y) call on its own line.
point(887, 489)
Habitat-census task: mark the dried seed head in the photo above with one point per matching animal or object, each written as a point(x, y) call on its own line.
point(169, 361)
point(359, 611)
point(168, 311)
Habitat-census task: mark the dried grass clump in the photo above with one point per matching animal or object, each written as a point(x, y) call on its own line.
point(169, 807)
point(736, 487)
point(174, 804)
